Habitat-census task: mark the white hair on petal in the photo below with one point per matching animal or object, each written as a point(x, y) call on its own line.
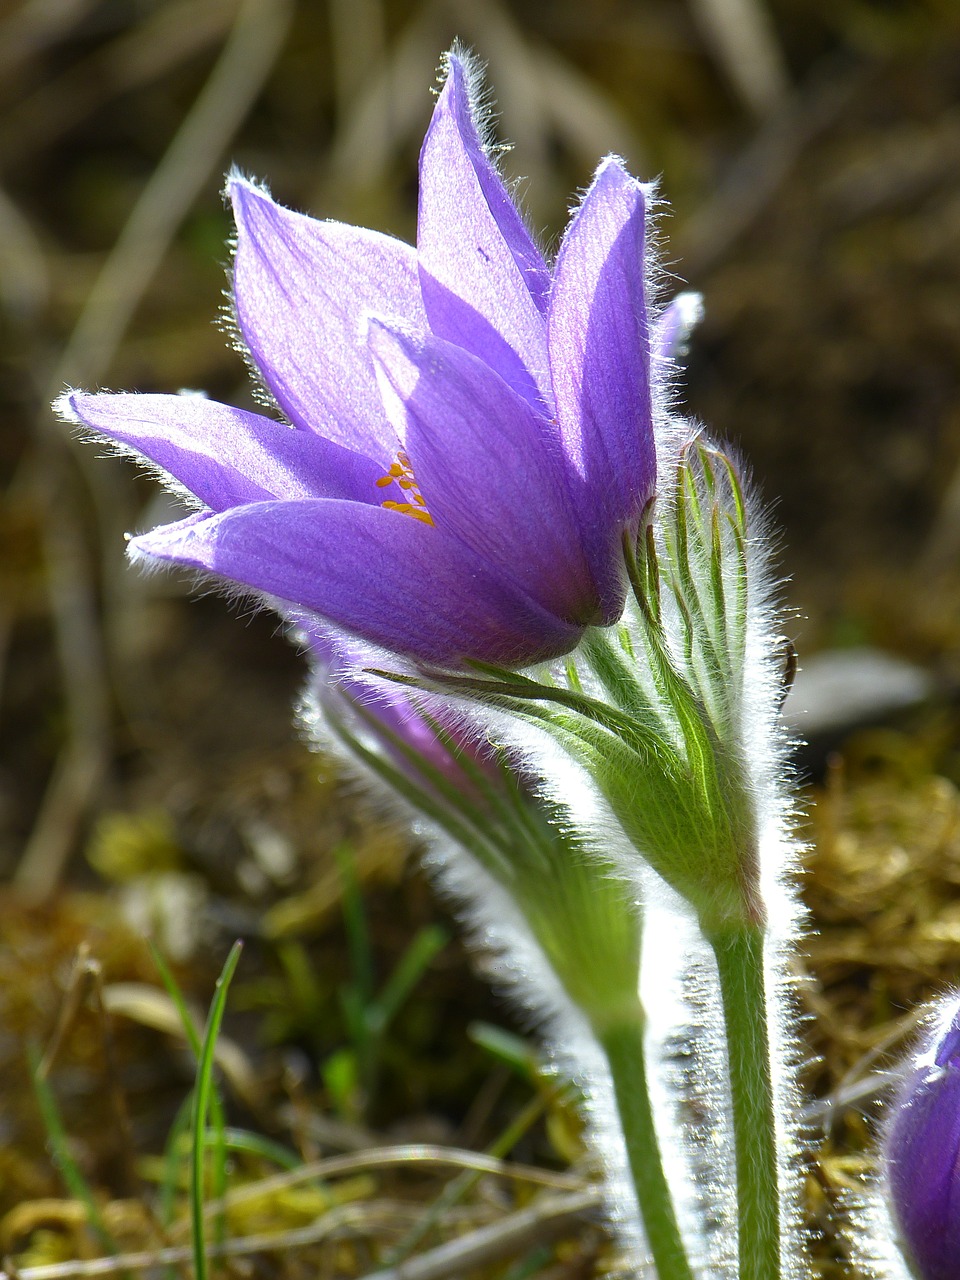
point(65, 411)
point(479, 96)
point(870, 1234)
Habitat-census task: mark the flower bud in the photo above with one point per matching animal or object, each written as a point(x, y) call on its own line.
point(921, 1153)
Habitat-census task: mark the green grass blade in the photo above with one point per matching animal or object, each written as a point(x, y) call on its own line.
point(203, 1089)
point(176, 995)
point(172, 1156)
point(255, 1144)
point(219, 1177)
point(73, 1178)
point(355, 921)
point(408, 971)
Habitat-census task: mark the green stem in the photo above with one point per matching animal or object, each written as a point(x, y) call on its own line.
point(740, 962)
point(623, 1045)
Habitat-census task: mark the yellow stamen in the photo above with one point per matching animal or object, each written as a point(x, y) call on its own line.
point(401, 474)
point(395, 472)
point(408, 509)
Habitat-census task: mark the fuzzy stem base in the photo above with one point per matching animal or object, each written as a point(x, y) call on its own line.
point(740, 962)
point(623, 1046)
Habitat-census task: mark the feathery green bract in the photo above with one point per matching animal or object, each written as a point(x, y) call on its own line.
point(665, 740)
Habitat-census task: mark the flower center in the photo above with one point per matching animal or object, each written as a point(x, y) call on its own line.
point(401, 474)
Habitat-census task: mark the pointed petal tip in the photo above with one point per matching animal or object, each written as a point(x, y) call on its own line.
point(599, 339)
point(382, 333)
point(166, 542)
point(462, 71)
point(371, 325)
point(463, 98)
point(137, 553)
point(451, 94)
point(612, 174)
point(235, 177)
point(484, 280)
point(238, 181)
point(612, 162)
point(249, 198)
point(65, 406)
point(612, 180)
point(457, 58)
point(146, 550)
point(450, 66)
point(395, 351)
point(80, 409)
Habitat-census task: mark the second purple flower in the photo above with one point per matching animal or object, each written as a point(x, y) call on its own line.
point(468, 432)
point(921, 1152)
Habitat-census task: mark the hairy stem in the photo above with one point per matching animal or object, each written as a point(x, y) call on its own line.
point(740, 962)
point(622, 1043)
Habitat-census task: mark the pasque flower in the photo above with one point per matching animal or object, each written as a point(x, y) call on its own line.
point(922, 1153)
point(564, 928)
point(468, 429)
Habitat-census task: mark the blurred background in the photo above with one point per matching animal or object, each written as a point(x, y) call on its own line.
point(151, 776)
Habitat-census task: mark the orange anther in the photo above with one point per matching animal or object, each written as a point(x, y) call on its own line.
point(408, 509)
point(401, 473)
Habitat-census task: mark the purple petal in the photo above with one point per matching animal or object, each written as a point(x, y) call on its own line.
point(324, 647)
point(483, 279)
point(488, 466)
point(600, 350)
point(379, 574)
point(923, 1151)
point(226, 456)
point(948, 1050)
point(301, 288)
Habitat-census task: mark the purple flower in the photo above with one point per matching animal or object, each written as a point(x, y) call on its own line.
point(468, 431)
point(922, 1153)
point(420, 734)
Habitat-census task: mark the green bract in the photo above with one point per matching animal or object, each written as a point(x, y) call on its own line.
point(656, 707)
